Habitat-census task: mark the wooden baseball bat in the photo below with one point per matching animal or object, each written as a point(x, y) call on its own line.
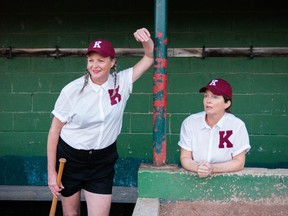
point(62, 162)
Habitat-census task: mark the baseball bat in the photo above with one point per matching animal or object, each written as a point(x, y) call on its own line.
point(62, 162)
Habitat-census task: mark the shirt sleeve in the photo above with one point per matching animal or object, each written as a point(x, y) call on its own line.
point(129, 79)
point(243, 143)
point(62, 107)
point(125, 80)
point(185, 141)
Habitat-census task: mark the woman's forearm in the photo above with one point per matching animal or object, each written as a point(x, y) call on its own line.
point(51, 151)
point(236, 164)
point(52, 142)
point(189, 164)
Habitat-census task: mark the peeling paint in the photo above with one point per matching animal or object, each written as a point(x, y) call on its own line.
point(39, 83)
point(161, 63)
point(159, 35)
point(265, 187)
point(32, 171)
point(160, 84)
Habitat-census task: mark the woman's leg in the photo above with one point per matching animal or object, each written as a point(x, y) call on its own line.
point(71, 205)
point(98, 204)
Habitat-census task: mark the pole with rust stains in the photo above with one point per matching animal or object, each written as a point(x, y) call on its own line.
point(160, 83)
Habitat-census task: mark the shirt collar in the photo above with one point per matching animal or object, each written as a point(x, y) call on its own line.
point(97, 87)
point(204, 123)
point(219, 123)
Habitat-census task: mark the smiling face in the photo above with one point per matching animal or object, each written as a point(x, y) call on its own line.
point(215, 105)
point(99, 67)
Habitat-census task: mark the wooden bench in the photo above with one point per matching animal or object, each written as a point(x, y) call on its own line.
point(42, 193)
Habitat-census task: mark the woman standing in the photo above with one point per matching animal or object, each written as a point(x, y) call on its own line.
point(214, 141)
point(87, 120)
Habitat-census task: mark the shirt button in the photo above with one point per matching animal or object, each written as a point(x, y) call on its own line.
point(90, 152)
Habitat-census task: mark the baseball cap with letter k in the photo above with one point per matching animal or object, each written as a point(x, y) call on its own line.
point(218, 87)
point(103, 47)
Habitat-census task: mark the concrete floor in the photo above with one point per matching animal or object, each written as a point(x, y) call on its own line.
point(153, 207)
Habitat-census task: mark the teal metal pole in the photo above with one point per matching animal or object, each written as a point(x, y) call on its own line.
point(160, 83)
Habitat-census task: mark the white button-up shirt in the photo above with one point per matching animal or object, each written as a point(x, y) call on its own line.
point(228, 138)
point(94, 117)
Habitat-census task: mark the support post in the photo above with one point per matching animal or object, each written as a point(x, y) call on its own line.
point(160, 83)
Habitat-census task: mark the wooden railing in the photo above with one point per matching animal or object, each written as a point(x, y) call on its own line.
point(202, 52)
point(42, 193)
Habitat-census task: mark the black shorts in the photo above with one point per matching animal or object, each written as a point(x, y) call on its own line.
point(91, 170)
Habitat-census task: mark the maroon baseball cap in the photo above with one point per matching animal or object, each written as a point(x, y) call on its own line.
point(218, 87)
point(103, 47)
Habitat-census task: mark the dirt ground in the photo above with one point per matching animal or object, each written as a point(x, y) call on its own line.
point(221, 209)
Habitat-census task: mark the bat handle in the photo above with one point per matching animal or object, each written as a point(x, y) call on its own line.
point(62, 162)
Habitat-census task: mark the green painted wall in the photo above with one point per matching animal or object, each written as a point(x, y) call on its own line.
point(30, 86)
